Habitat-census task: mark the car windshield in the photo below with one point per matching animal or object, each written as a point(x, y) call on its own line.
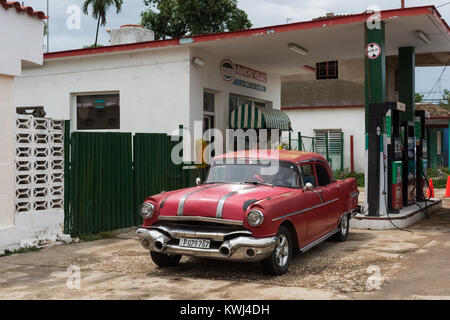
point(283, 174)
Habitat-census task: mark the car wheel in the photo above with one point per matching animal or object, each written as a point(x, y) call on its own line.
point(280, 259)
point(344, 226)
point(165, 260)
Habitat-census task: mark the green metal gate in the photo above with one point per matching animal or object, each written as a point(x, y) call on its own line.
point(108, 175)
point(101, 183)
point(154, 171)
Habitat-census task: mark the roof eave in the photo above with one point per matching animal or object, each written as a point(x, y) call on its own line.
point(187, 41)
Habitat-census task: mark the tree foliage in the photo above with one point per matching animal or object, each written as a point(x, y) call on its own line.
point(446, 100)
point(99, 10)
point(176, 18)
point(419, 97)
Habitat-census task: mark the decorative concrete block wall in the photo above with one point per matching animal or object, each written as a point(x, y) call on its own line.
point(39, 164)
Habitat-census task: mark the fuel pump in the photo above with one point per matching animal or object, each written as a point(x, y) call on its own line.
point(421, 154)
point(384, 149)
point(409, 163)
point(394, 160)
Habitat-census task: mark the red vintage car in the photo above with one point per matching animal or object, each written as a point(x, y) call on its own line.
point(254, 206)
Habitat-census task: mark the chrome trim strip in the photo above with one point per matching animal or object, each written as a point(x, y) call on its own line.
point(177, 232)
point(305, 210)
point(319, 194)
point(312, 160)
point(222, 200)
point(354, 194)
point(203, 219)
point(185, 196)
point(320, 240)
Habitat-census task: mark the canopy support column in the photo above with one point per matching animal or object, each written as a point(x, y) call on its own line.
point(406, 79)
point(375, 92)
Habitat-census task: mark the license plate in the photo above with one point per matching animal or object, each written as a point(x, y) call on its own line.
point(195, 243)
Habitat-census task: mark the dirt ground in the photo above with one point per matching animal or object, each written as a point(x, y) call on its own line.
point(371, 264)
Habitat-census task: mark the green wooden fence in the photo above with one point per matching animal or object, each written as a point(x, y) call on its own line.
point(108, 175)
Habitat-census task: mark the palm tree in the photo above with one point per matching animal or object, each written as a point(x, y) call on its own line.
point(99, 9)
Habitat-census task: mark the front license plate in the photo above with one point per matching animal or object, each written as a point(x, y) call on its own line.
point(195, 243)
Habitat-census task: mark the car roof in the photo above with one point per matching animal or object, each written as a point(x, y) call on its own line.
point(281, 155)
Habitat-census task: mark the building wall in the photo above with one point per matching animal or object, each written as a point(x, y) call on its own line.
point(209, 77)
point(159, 89)
point(7, 185)
point(153, 87)
point(22, 38)
point(391, 78)
point(351, 121)
point(304, 90)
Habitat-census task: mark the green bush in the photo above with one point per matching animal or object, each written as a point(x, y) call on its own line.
point(440, 183)
point(432, 173)
point(342, 175)
point(445, 170)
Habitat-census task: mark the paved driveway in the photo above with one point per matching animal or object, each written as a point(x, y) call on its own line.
point(370, 265)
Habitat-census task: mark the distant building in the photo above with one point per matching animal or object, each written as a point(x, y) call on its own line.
point(437, 134)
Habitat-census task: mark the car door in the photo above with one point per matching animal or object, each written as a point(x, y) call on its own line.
point(313, 214)
point(330, 192)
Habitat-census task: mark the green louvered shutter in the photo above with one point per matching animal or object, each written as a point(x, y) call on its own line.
point(329, 143)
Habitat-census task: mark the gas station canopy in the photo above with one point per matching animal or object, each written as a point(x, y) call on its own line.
point(326, 38)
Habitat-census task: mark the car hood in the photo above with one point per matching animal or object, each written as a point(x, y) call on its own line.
point(224, 200)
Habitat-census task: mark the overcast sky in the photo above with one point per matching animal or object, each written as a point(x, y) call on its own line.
point(260, 12)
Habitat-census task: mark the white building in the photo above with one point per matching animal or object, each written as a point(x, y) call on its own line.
point(21, 31)
point(156, 85)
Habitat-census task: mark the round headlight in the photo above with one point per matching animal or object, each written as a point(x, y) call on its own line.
point(146, 210)
point(255, 218)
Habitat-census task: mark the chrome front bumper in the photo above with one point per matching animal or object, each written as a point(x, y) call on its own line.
point(239, 247)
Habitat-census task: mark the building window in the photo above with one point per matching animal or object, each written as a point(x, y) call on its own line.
point(208, 111)
point(329, 143)
point(208, 102)
point(327, 70)
point(260, 104)
point(96, 112)
point(236, 101)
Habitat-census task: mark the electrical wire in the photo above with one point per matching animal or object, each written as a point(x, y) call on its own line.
point(441, 5)
point(436, 83)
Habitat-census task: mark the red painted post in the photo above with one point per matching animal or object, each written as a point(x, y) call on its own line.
point(403, 4)
point(352, 158)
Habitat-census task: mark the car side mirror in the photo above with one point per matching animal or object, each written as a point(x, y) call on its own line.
point(198, 181)
point(308, 187)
